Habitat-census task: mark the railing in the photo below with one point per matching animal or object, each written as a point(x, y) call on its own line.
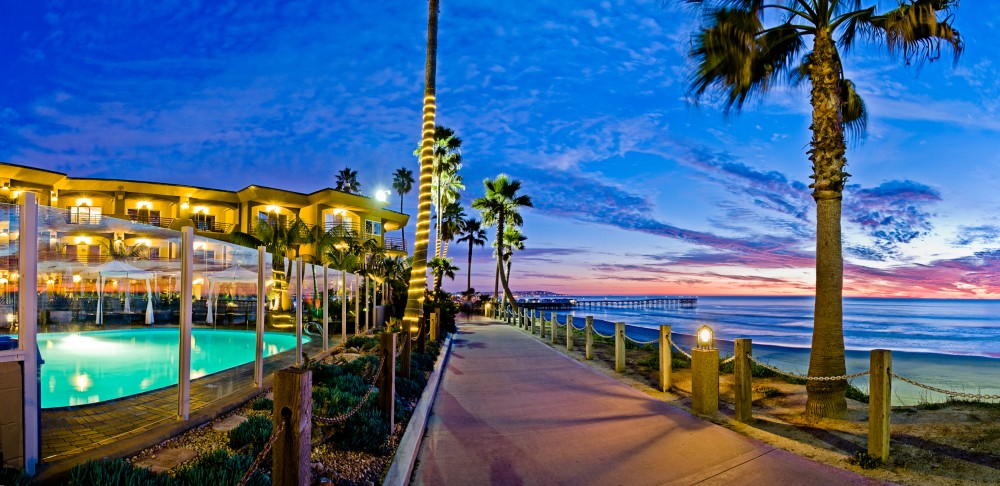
point(212, 227)
point(394, 244)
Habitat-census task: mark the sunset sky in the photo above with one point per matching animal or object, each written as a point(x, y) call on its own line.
point(637, 190)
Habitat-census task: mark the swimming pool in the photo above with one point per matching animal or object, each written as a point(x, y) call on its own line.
point(90, 367)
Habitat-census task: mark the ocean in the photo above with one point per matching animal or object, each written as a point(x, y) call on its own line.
point(951, 344)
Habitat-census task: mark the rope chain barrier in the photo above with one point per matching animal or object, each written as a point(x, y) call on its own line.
point(971, 396)
point(343, 417)
point(727, 360)
point(642, 343)
point(583, 328)
point(810, 378)
point(609, 336)
point(260, 457)
point(678, 348)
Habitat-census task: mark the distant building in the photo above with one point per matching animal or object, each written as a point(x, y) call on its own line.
point(214, 213)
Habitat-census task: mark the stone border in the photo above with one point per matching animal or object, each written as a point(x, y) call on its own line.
point(409, 445)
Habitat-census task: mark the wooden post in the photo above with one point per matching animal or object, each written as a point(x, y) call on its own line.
point(569, 332)
point(666, 358)
point(293, 411)
point(742, 380)
point(589, 338)
point(387, 380)
point(536, 321)
point(555, 325)
point(705, 381)
point(404, 359)
point(879, 406)
point(184, 346)
point(619, 347)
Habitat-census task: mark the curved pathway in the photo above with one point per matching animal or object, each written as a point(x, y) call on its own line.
point(511, 410)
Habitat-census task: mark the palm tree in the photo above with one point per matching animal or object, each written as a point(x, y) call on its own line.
point(473, 232)
point(445, 183)
point(418, 275)
point(450, 224)
point(513, 239)
point(501, 206)
point(347, 181)
point(746, 46)
point(279, 240)
point(402, 182)
point(441, 267)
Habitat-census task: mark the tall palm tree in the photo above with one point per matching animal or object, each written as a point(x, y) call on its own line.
point(347, 181)
point(473, 233)
point(451, 220)
point(513, 240)
point(501, 205)
point(418, 275)
point(445, 183)
point(402, 182)
point(441, 267)
point(746, 46)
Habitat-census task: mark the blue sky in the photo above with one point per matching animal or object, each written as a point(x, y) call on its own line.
point(637, 190)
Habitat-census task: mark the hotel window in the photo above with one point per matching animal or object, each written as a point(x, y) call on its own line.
point(84, 215)
point(204, 222)
point(272, 219)
point(144, 216)
point(154, 253)
point(373, 227)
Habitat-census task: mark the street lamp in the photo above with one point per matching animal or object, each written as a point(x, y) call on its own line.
point(382, 195)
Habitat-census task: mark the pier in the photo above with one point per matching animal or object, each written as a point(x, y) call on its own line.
point(564, 304)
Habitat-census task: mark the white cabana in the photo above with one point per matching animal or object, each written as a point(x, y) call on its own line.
point(121, 270)
point(231, 275)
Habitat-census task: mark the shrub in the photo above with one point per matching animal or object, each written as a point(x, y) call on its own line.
point(365, 431)
point(407, 387)
point(262, 403)
point(363, 366)
point(116, 471)
point(865, 461)
point(14, 477)
point(332, 402)
point(255, 432)
point(363, 343)
point(218, 468)
point(855, 393)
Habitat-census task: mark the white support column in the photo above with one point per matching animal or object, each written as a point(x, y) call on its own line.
point(326, 307)
point(357, 305)
point(298, 310)
point(184, 343)
point(27, 320)
point(343, 306)
point(258, 361)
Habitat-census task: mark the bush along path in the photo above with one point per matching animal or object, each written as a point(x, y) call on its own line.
point(352, 446)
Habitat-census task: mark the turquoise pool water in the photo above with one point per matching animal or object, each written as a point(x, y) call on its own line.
point(90, 367)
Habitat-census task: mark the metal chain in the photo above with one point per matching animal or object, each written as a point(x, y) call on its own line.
point(642, 343)
point(341, 418)
point(260, 457)
point(973, 396)
point(678, 348)
point(809, 378)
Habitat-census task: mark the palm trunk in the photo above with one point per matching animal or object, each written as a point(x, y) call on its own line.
point(468, 280)
point(418, 277)
point(496, 282)
point(403, 228)
point(500, 251)
point(826, 398)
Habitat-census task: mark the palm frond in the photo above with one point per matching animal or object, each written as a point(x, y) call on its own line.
point(915, 30)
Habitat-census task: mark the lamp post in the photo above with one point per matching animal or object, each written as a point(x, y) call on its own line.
point(705, 373)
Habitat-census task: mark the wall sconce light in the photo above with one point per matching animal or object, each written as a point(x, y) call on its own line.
point(53, 196)
point(185, 205)
point(144, 205)
point(77, 278)
point(6, 185)
point(83, 201)
point(200, 209)
point(143, 241)
point(272, 209)
point(82, 240)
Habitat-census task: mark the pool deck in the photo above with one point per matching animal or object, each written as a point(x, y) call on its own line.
point(76, 434)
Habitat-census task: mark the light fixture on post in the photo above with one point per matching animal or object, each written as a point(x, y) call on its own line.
point(705, 373)
point(6, 185)
point(706, 337)
point(185, 204)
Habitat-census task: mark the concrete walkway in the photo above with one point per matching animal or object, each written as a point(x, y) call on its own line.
point(511, 410)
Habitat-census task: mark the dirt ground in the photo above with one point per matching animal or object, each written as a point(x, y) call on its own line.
point(931, 444)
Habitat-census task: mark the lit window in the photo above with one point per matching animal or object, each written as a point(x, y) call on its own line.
point(373, 227)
